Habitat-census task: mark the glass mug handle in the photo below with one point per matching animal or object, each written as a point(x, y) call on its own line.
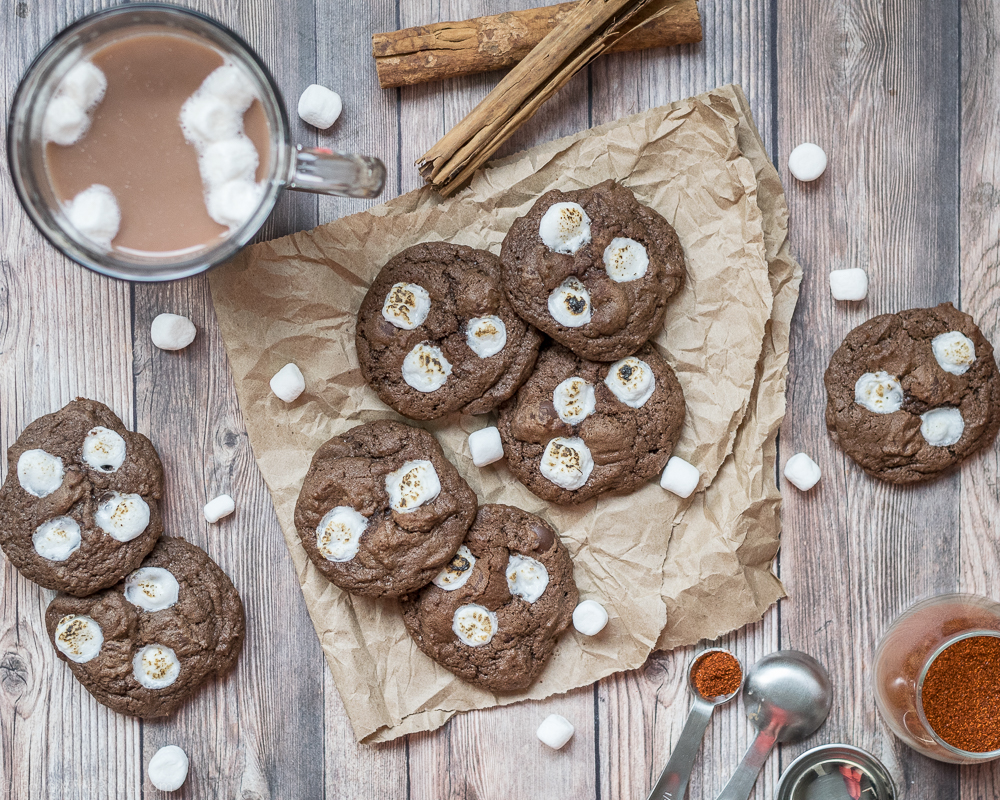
point(323, 171)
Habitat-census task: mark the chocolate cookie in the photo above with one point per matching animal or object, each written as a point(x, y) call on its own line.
point(593, 269)
point(80, 507)
point(493, 615)
point(381, 509)
point(436, 333)
point(910, 395)
point(145, 646)
point(580, 428)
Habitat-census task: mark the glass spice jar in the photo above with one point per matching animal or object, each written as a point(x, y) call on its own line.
point(906, 654)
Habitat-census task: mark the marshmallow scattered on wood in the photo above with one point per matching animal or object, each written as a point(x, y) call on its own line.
point(802, 472)
point(288, 383)
point(849, 284)
point(485, 446)
point(221, 506)
point(320, 106)
point(172, 331)
point(555, 731)
point(680, 477)
point(168, 768)
point(807, 162)
point(590, 617)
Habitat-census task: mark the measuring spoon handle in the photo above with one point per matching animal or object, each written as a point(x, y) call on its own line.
point(741, 784)
point(675, 776)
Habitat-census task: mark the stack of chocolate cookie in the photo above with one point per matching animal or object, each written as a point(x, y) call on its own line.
point(142, 620)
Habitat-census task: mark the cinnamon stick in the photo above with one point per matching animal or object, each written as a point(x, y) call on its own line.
point(452, 49)
point(589, 29)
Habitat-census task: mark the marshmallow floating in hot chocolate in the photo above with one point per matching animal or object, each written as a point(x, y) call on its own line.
point(104, 450)
point(625, 260)
point(172, 332)
point(574, 400)
point(569, 303)
point(85, 85)
point(631, 380)
point(412, 485)
point(233, 202)
point(942, 427)
point(879, 392)
point(486, 336)
point(338, 535)
point(95, 215)
point(57, 539)
point(156, 666)
point(526, 577)
point(152, 589)
point(39, 473)
point(66, 118)
point(474, 625)
point(228, 160)
point(954, 352)
point(406, 306)
point(565, 228)
point(457, 572)
point(425, 368)
point(79, 638)
point(567, 462)
point(168, 768)
point(319, 106)
point(485, 446)
point(122, 516)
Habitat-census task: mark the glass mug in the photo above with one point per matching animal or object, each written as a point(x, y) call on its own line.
point(294, 167)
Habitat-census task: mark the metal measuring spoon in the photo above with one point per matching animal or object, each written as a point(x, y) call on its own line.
point(675, 776)
point(787, 696)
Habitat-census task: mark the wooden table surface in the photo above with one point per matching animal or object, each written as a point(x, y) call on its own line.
point(902, 95)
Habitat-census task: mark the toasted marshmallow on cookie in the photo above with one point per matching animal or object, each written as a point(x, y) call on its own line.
point(156, 666)
point(406, 306)
point(879, 392)
point(425, 368)
point(954, 352)
point(457, 572)
point(39, 473)
point(152, 588)
point(104, 450)
point(79, 638)
point(526, 577)
point(569, 303)
point(57, 539)
point(631, 380)
point(486, 336)
point(412, 485)
point(942, 427)
point(565, 228)
point(567, 462)
point(338, 535)
point(122, 516)
point(474, 625)
point(625, 260)
point(574, 400)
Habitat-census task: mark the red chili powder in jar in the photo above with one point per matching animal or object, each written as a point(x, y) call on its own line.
point(716, 674)
point(961, 694)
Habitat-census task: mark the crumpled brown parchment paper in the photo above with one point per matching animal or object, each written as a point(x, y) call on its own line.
point(706, 560)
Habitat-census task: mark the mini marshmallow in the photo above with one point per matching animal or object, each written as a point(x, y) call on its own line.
point(288, 383)
point(625, 260)
point(565, 228)
point(555, 731)
point(631, 380)
point(566, 462)
point(122, 516)
point(849, 284)
point(457, 572)
point(85, 85)
point(802, 472)
point(319, 106)
point(156, 666)
point(152, 589)
point(574, 400)
point(954, 352)
point(879, 392)
point(807, 162)
point(172, 331)
point(65, 122)
point(233, 203)
point(569, 303)
point(680, 477)
point(590, 618)
point(338, 535)
point(221, 506)
point(79, 638)
point(474, 625)
point(486, 336)
point(406, 305)
point(39, 473)
point(425, 368)
point(228, 160)
point(526, 577)
point(95, 215)
point(412, 485)
point(168, 768)
point(206, 119)
point(230, 85)
point(104, 450)
point(57, 539)
point(485, 446)
point(942, 427)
